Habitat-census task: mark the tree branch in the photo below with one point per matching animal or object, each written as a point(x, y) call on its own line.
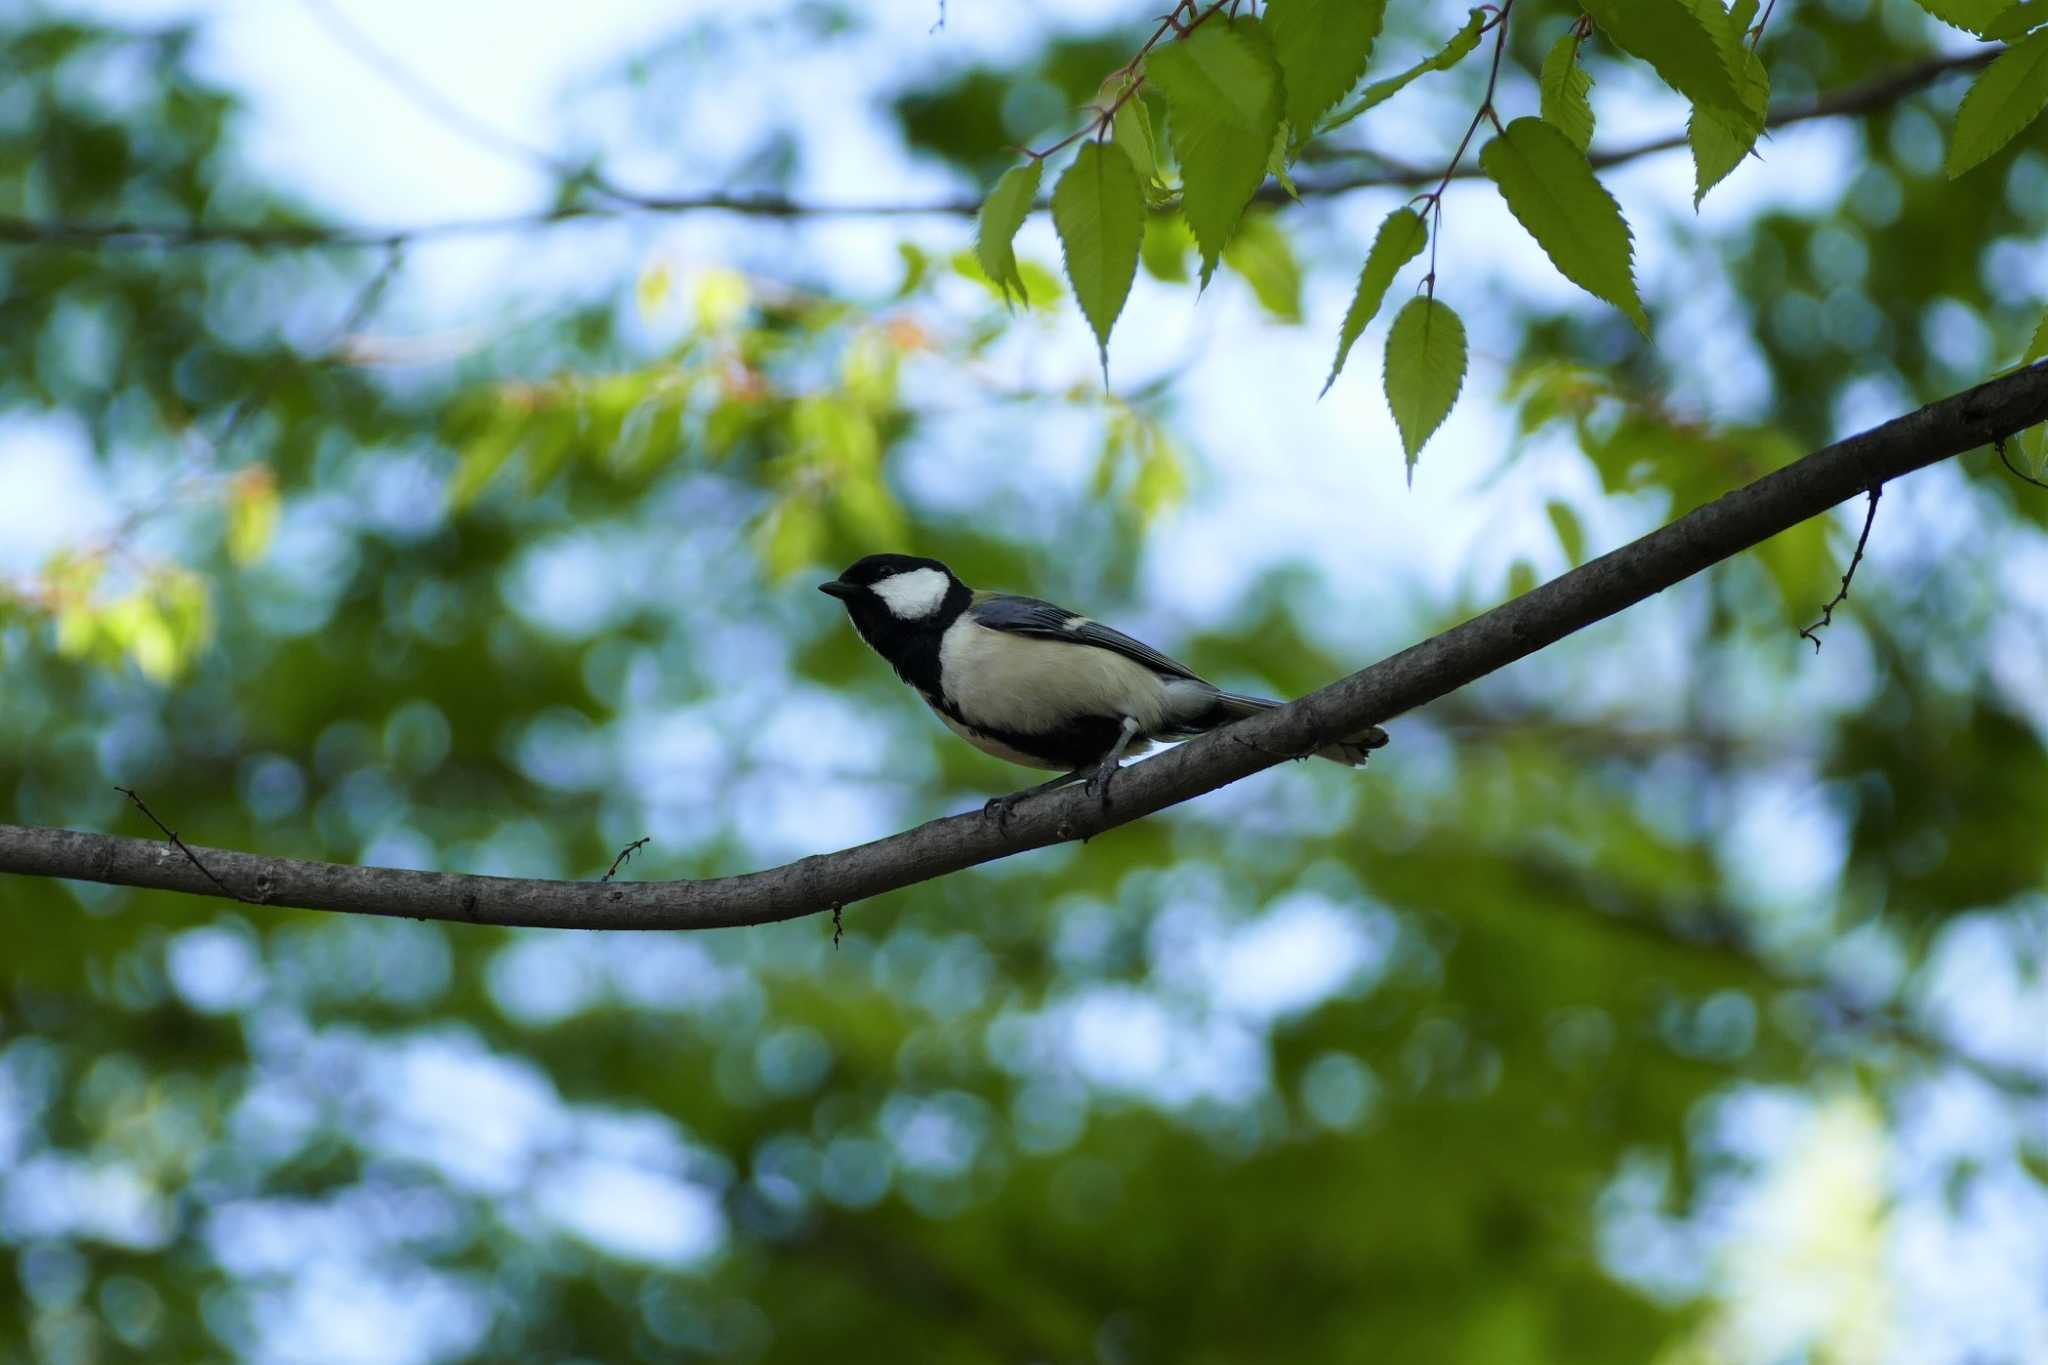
point(1420, 674)
point(1875, 94)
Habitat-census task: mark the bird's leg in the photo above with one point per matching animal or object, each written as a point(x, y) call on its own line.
point(1098, 781)
point(998, 807)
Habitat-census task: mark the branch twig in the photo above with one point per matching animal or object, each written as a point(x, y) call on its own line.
point(1417, 675)
point(1876, 94)
point(625, 855)
point(1827, 613)
point(183, 848)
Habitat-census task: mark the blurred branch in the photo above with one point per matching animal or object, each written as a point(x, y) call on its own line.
point(1858, 99)
point(1424, 672)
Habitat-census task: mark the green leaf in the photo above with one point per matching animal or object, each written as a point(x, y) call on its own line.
point(2020, 20)
point(1721, 140)
point(2008, 96)
point(1322, 47)
point(1100, 214)
point(1262, 256)
point(1972, 16)
point(1571, 537)
point(1456, 50)
point(995, 227)
point(1401, 238)
point(1165, 248)
point(1670, 37)
point(1553, 193)
point(1131, 130)
point(1425, 368)
point(2038, 347)
point(1222, 88)
point(1565, 87)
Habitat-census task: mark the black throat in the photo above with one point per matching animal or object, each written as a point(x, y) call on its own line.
point(911, 647)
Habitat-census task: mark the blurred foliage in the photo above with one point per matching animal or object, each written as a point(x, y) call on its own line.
point(1437, 1064)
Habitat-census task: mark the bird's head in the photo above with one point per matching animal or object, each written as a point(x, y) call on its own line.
point(887, 594)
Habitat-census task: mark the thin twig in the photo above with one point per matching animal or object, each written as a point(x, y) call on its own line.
point(1827, 613)
point(1434, 200)
point(2014, 469)
point(172, 835)
point(625, 854)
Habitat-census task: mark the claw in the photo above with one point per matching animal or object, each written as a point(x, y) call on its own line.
point(998, 809)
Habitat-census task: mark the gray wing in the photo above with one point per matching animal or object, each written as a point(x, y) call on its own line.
point(1044, 621)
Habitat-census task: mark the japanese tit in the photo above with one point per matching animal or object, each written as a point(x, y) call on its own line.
point(1033, 683)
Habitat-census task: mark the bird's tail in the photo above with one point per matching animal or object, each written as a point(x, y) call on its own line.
point(1351, 752)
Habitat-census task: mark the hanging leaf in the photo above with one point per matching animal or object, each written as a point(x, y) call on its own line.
point(2038, 347)
point(1670, 37)
point(1425, 368)
point(1165, 248)
point(1553, 193)
point(1131, 130)
point(1972, 16)
point(1720, 140)
point(1456, 50)
point(1566, 88)
point(995, 227)
point(1322, 47)
point(1400, 239)
point(1099, 212)
point(1222, 90)
point(2005, 98)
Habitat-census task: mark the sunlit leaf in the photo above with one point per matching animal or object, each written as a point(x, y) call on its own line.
point(1553, 193)
point(995, 227)
point(1566, 88)
point(1222, 91)
point(1322, 47)
point(1972, 16)
point(1401, 237)
point(1461, 46)
point(1100, 214)
point(1670, 37)
point(1425, 368)
point(2007, 95)
point(1263, 257)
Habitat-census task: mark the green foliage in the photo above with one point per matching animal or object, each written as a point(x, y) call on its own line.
point(1461, 46)
point(1261, 254)
point(1669, 35)
point(2007, 96)
point(1972, 16)
point(1400, 240)
point(2021, 18)
point(1566, 89)
point(1002, 213)
point(1425, 368)
point(1553, 193)
point(1721, 140)
point(1223, 96)
point(1100, 213)
point(1322, 47)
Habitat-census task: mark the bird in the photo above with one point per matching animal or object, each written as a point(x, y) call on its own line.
point(1036, 684)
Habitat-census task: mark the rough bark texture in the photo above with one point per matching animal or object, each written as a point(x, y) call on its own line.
point(1416, 675)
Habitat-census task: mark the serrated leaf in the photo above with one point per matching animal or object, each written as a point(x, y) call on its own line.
point(995, 227)
point(1099, 212)
point(1425, 368)
point(1566, 87)
point(2008, 95)
point(2038, 347)
point(1131, 129)
point(1972, 16)
point(1322, 47)
point(1278, 164)
point(1401, 238)
point(1262, 256)
point(1721, 140)
point(1553, 193)
point(1670, 37)
point(1222, 89)
point(1456, 50)
point(2020, 20)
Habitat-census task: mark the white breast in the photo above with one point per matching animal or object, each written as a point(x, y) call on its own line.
point(1013, 682)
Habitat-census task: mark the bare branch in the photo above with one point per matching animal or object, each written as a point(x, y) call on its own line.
point(1876, 94)
point(1420, 674)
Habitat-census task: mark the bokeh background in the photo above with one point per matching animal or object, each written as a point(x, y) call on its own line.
point(1677, 995)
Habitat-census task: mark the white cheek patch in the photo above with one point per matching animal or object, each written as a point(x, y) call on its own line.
point(912, 595)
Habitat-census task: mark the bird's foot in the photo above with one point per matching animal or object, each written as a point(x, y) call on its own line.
point(998, 808)
point(1097, 783)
